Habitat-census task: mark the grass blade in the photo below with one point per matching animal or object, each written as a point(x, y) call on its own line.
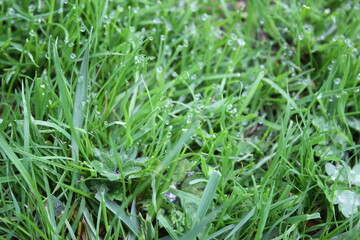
point(207, 196)
point(116, 209)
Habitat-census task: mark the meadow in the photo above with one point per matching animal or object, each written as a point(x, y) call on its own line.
point(179, 119)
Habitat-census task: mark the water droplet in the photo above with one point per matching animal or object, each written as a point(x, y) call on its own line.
point(174, 74)
point(112, 15)
point(71, 44)
point(61, 10)
point(42, 85)
point(151, 38)
point(162, 37)
point(11, 11)
point(204, 17)
point(81, 78)
point(241, 42)
point(32, 33)
point(31, 7)
point(159, 69)
point(156, 20)
point(327, 11)
point(337, 81)
point(72, 55)
point(82, 28)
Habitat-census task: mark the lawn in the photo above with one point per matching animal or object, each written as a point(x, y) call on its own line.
point(179, 119)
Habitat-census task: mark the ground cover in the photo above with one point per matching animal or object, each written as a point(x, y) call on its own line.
point(179, 119)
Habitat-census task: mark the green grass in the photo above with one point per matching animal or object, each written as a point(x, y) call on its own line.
point(179, 119)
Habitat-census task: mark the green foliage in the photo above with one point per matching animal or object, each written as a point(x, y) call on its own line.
point(179, 119)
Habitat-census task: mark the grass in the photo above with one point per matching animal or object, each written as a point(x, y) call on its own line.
point(179, 119)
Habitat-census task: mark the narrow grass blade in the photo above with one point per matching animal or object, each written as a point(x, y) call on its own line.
point(116, 209)
point(241, 223)
point(167, 226)
point(264, 213)
point(251, 92)
point(175, 150)
point(80, 100)
point(304, 217)
point(199, 228)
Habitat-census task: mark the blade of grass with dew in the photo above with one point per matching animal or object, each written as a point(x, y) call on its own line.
point(251, 93)
point(25, 175)
point(80, 100)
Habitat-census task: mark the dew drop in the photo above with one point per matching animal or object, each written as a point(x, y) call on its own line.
point(72, 55)
point(11, 11)
point(156, 20)
point(31, 7)
point(204, 17)
point(241, 42)
point(159, 69)
point(32, 33)
point(82, 28)
point(337, 81)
